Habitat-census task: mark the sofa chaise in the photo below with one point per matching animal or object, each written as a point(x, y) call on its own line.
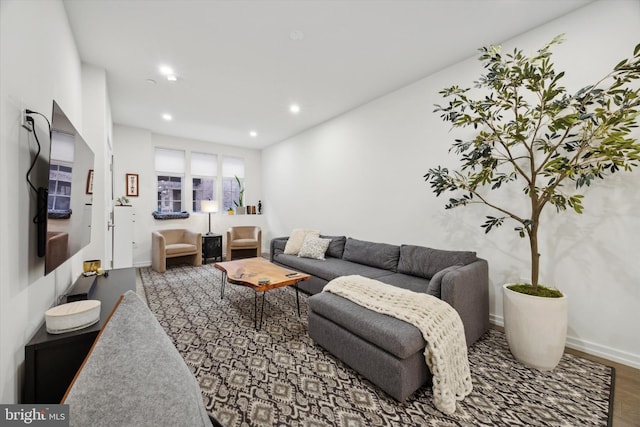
point(387, 351)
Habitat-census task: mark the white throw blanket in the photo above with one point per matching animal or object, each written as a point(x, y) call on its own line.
point(440, 324)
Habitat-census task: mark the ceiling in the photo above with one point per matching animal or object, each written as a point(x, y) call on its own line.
point(240, 64)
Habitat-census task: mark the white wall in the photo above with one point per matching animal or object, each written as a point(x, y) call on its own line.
point(361, 174)
point(134, 153)
point(97, 130)
point(39, 62)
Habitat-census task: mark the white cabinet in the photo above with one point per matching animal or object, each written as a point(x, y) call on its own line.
point(122, 236)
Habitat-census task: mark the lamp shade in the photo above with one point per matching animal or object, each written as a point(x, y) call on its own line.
point(208, 206)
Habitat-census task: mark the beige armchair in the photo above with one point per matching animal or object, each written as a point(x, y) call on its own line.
point(57, 250)
point(244, 242)
point(177, 243)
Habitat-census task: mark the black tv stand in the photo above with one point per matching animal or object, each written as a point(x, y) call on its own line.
point(83, 288)
point(51, 361)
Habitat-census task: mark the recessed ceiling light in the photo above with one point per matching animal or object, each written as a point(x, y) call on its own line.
point(167, 117)
point(294, 108)
point(296, 35)
point(172, 78)
point(166, 70)
point(253, 134)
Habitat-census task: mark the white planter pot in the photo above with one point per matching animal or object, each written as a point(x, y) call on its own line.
point(241, 210)
point(535, 327)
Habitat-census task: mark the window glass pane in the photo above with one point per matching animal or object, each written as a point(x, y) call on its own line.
point(169, 193)
point(230, 193)
point(203, 164)
point(60, 176)
point(203, 189)
point(171, 161)
point(232, 166)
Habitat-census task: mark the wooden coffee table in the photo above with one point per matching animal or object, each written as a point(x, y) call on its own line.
point(261, 276)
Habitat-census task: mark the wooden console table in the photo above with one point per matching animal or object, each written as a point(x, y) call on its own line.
point(51, 361)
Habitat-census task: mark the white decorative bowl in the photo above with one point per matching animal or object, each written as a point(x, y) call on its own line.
point(72, 316)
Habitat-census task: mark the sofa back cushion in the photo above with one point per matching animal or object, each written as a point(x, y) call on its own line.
point(336, 247)
point(426, 262)
point(379, 255)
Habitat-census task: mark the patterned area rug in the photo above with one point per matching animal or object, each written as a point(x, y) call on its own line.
point(278, 376)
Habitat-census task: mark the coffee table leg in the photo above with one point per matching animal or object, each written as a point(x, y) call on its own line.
point(224, 280)
point(255, 310)
point(298, 300)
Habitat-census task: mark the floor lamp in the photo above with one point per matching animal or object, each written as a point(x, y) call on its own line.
point(209, 206)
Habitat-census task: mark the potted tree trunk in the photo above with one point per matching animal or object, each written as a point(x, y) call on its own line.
point(532, 133)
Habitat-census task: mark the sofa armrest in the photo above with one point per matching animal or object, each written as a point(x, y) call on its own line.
point(467, 290)
point(277, 246)
point(193, 238)
point(158, 254)
point(114, 386)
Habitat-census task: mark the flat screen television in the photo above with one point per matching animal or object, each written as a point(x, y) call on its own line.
point(64, 205)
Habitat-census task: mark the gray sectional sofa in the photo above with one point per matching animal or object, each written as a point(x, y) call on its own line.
point(385, 350)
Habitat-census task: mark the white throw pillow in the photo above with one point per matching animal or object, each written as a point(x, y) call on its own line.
point(297, 238)
point(314, 247)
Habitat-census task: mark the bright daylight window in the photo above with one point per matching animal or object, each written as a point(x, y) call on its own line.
point(60, 172)
point(204, 169)
point(170, 173)
point(231, 167)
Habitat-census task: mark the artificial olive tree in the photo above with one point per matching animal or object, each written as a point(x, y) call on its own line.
point(529, 131)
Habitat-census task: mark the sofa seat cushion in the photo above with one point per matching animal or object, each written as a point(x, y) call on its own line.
point(404, 281)
point(179, 249)
point(244, 243)
point(388, 333)
point(329, 268)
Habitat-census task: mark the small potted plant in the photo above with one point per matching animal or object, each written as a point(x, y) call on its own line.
point(240, 208)
point(123, 201)
point(532, 133)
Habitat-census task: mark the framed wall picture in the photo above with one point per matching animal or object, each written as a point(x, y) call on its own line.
point(132, 185)
point(89, 189)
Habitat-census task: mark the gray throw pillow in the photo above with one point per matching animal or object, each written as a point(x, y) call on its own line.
point(435, 284)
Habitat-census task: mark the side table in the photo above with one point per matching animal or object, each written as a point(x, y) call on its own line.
point(211, 247)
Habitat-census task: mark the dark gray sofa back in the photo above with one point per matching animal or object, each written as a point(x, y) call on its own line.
point(425, 262)
point(379, 255)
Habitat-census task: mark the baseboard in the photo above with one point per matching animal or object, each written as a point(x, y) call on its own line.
point(142, 264)
point(594, 349)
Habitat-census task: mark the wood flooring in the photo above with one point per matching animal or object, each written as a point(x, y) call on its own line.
point(626, 394)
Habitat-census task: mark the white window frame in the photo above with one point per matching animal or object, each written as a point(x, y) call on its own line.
point(232, 167)
point(206, 169)
point(170, 163)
